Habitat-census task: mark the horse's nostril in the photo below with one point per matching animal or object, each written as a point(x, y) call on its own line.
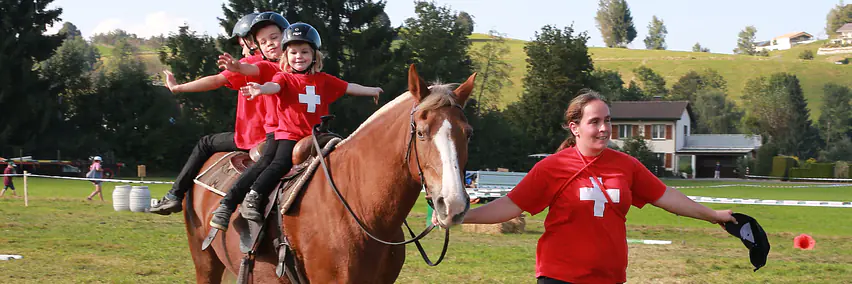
point(440, 206)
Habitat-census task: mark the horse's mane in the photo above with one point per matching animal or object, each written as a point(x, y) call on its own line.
point(440, 95)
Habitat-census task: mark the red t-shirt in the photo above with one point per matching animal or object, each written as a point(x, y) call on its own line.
point(584, 240)
point(250, 128)
point(303, 100)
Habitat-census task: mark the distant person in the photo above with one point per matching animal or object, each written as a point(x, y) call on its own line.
point(96, 172)
point(7, 180)
point(718, 171)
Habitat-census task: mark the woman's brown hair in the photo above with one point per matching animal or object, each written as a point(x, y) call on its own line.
point(574, 113)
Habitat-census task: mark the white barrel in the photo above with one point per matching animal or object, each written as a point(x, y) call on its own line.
point(121, 198)
point(140, 199)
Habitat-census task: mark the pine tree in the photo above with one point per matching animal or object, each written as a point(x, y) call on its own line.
point(657, 32)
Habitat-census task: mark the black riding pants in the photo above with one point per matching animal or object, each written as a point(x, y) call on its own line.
point(206, 147)
point(263, 175)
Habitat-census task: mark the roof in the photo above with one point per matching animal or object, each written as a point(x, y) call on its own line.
point(721, 143)
point(649, 110)
point(845, 28)
point(792, 35)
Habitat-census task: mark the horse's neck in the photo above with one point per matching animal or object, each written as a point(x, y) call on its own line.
point(377, 174)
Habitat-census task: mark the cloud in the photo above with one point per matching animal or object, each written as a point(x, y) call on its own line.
point(106, 26)
point(155, 24)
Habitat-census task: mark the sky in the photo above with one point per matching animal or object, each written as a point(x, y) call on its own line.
point(715, 24)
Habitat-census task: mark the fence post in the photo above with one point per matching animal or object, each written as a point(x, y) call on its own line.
point(26, 193)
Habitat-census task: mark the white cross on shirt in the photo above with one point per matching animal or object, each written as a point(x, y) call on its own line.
point(594, 193)
point(310, 98)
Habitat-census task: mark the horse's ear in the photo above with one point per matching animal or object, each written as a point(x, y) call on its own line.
point(465, 89)
point(416, 86)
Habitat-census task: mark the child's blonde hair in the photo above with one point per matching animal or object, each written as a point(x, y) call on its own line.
point(285, 63)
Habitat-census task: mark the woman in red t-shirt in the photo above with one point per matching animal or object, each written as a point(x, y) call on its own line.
point(588, 189)
point(303, 95)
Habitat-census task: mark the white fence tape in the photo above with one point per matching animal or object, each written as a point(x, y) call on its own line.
point(793, 178)
point(836, 204)
point(97, 179)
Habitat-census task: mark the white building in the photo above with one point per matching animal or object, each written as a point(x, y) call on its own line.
point(785, 42)
point(666, 127)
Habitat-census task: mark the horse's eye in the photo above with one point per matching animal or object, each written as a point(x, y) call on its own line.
point(420, 134)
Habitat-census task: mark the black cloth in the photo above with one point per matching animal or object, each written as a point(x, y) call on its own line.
point(753, 237)
point(548, 280)
point(277, 156)
point(206, 147)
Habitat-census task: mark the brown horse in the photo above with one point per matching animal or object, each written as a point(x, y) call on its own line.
point(378, 172)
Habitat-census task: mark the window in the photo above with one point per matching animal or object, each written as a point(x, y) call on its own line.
point(625, 131)
point(685, 130)
point(658, 131)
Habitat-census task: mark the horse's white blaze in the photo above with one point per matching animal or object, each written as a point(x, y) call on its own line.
point(451, 184)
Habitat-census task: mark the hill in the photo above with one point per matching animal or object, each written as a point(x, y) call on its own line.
point(736, 69)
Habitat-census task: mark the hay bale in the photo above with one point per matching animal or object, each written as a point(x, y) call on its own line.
point(514, 226)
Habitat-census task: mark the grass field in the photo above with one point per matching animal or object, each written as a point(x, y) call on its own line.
point(65, 239)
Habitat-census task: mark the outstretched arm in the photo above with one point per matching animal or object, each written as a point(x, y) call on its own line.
point(252, 89)
point(358, 90)
point(227, 62)
point(208, 83)
point(676, 202)
point(497, 211)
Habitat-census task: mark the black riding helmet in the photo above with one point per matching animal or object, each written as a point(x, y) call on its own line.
point(265, 19)
point(302, 32)
point(242, 28)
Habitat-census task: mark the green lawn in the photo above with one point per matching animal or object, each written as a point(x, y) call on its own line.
point(66, 239)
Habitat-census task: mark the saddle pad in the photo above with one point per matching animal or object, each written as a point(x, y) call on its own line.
point(219, 177)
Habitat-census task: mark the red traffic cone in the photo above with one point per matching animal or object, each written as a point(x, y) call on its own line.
point(804, 242)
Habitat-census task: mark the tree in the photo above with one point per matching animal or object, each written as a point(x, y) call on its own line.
point(776, 108)
point(466, 20)
point(715, 113)
point(745, 41)
point(835, 120)
point(686, 88)
point(558, 67)
point(652, 83)
point(615, 23)
point(493, 72)
point(28, 105)
point(636, 147)
point(190, 57)
point(437, 42)
point(837, 17)
point(69, 30)
point(840, 150)
point(698, 48)
point(657, 32)
point(609, 84)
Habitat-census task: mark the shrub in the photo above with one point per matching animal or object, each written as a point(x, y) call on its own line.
point(807, 54)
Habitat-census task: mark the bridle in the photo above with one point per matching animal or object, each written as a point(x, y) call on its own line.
point(411, 147)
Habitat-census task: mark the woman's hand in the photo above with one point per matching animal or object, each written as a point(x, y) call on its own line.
point(375, 92)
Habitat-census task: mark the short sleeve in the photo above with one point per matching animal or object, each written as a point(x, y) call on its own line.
point(534, 193)
point(646, 187)
point(268, 70)
point(336, 86)
point(235, 80)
